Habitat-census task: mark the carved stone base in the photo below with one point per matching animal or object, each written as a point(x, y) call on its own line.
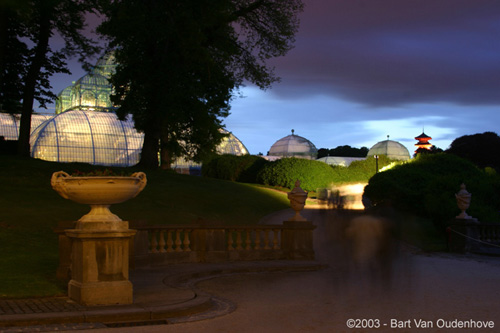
point(101, 293)
point(99, 267)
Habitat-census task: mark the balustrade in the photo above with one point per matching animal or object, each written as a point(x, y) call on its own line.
point(166, 244)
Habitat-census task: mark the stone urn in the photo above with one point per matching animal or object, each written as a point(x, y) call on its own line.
point(100, 192)
point(297, 199)
point(463, 202)
point(100, 241)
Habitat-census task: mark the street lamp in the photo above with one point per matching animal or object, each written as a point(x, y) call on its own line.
point(376, 163)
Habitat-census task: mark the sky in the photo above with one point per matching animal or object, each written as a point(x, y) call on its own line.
point(362, 70)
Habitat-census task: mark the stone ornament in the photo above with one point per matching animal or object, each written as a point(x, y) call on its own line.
point(297, 199)
point(99, 192)
point(463, 202)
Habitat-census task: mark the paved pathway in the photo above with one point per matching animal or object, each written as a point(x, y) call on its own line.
point(417, 288)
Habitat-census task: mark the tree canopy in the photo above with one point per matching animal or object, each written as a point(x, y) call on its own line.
point(343, 151)
point(483, 149)
point(28, 60)
point(180, 63)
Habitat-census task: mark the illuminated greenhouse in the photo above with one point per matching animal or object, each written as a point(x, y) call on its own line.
point(9, 124)
point(89, 137)
point(294, 146)
point(392, 149)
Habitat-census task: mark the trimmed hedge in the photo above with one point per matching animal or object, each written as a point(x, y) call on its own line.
point(242, 169)
point(427, 185)
point(284, 172)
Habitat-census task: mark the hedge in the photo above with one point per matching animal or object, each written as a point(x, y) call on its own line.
point(242, 169)
point(427, 185)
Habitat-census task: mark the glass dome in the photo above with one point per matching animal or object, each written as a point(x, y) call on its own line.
point(391, 149)
point(91, 92)
point(294, 146)
point(105, 66)
point(339, 160)
point(231, 145)
point(9, 124)
point(90, 137)
point(63, 100)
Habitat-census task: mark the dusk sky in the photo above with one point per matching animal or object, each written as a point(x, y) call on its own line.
point(365, 69)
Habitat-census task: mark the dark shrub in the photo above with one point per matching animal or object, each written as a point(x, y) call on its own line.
point(427, 185)
point(481, 149)
point(235, 168)
point(284, 173)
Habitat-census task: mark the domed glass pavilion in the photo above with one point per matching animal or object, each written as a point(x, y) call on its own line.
point(89, 137)
point(392, 149)
point(9, 124)
point(293, 146)
point(85, 128)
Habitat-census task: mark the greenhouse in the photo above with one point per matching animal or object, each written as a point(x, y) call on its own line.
point(9, 124)
point(392, 149)
point(88, 137)
point(339, 160)
point(293, 146)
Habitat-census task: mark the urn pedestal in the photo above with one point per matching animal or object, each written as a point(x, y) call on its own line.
point(99, 267)
point(100, 239)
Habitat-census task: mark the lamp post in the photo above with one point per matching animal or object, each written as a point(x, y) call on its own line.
point(376, 163)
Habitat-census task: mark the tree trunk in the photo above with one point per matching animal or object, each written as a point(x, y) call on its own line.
point(149, 155)
point(30, 82)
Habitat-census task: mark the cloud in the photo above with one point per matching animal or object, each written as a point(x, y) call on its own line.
point(393, 53)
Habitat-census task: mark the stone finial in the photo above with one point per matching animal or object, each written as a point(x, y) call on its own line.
point(297, 199)
point(463, 202)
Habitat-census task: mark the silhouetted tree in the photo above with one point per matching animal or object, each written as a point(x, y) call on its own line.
point(179, 63)
point(28, 60)
point(481, 149)
point(343, 151)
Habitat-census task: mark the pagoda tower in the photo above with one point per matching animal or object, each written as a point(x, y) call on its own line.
point(423, 142)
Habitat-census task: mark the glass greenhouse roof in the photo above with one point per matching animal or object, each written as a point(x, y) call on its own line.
point(339, 160)
point(391, 149)
point(89, 137)
point(9, 124)
point(105, 66)
point(293, 146)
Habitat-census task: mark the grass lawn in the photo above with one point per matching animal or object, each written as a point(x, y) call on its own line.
point(30, 209)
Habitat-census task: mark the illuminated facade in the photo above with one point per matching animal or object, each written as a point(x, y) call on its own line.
point(9, 124)
point(85, 128)
point(293, 146)
point(392, 149)
point(90, 137)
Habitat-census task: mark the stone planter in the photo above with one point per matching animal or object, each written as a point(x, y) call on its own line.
point(100, 239)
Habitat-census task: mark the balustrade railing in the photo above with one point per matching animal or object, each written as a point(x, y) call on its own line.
point(156, 245)
point(168, 244)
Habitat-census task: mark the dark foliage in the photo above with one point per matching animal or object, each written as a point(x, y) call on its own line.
point(426, 187)
point(343, 151)
point(235, 168)
point(481, 149)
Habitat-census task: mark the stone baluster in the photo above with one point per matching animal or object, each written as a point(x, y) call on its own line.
point(161, 242)
point(170, 241)
point(154, 242)
point(186, 242)
point(275, 239)
point(257, 239)
point(239, 242)
point(248, 241)
point(178, 241)
point(230, 246)
point(266, 240)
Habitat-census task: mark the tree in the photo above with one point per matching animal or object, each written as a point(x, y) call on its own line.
point(343, 151)
point(29, 65)
point(12, 57)
point(482, 149)
point(180, 63)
